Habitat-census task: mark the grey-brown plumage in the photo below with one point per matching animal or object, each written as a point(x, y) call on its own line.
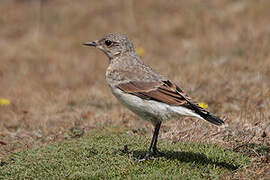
point(145, 92)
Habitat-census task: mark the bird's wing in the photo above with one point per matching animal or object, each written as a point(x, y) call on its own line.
point(163, 91)
point(168, 93)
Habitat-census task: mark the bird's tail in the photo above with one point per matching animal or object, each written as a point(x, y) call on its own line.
point(206, 115)
point(211, 118)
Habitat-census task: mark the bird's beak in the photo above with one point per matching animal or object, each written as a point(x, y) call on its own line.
point(91, 43)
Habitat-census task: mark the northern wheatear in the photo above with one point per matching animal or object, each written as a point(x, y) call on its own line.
point(145, 92)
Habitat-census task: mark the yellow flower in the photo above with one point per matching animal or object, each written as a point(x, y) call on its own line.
point(4, 102)
point(203, 105)
point(140, 51)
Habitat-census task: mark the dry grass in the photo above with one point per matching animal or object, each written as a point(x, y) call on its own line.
point(218, 51)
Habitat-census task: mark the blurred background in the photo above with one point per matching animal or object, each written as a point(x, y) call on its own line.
point(218, 51)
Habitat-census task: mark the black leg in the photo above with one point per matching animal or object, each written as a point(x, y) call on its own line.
point(153, 145)
point(152, 151)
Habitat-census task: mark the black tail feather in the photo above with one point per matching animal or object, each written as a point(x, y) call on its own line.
point(211, 118)
point(206, 115)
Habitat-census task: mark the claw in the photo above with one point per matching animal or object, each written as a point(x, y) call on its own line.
point(150, 156)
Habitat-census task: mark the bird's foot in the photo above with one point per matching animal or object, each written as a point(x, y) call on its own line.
point(157, 153)
point(150, 156)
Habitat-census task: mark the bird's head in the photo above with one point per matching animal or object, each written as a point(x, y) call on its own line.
point(113, 45)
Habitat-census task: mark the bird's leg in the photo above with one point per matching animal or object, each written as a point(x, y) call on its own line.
point(152, 151)
point(155, 137)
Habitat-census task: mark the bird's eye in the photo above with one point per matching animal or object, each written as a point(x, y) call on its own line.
point(108, 43)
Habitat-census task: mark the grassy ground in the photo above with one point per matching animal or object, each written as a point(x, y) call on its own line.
point(110, 153)
point(216, 51)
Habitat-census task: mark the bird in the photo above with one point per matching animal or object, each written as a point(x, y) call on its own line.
point(142, 90)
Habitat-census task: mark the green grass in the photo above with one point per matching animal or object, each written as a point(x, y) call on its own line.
point(101, 154)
